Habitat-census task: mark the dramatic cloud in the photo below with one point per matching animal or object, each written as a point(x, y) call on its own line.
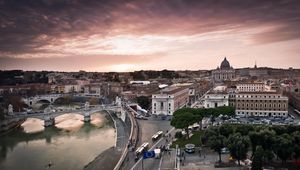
point(32, 30)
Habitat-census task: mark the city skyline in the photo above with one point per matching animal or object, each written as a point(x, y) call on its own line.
point(126, 36)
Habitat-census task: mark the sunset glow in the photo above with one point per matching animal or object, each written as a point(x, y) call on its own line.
point(144, 33)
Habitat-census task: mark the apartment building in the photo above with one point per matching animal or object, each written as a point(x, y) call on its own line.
point(169, 99)
point(262, 103)
point(250, 87)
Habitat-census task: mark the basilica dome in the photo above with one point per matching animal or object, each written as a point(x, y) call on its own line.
point(225, 64)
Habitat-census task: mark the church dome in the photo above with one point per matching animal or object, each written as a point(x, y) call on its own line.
point(225, 64)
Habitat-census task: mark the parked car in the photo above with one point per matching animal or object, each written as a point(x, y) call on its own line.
point(224, 150)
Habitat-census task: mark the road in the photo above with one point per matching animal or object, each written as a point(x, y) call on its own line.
point(150, 164)
point(147, 129)
point(292, 112)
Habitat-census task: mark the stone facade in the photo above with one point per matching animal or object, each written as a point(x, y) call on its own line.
point(169, 100)
point(261, 104)
point(224, 72)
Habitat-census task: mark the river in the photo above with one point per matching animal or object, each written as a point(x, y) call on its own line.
point(70, 144)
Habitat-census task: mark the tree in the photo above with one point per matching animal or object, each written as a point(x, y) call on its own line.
point(244, 129)
point(212, 131)
point(15, 101)
point(265, 138)
point(258, 158)
point(143, 101)
point(238, 146)
point(283, 147)
point(296, 144)
point(94, 101)
point(182, 120)
point(226, 130)
point(217, 142)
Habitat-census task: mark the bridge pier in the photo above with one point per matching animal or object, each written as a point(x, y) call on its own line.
point(87, 118)
point(49, 121)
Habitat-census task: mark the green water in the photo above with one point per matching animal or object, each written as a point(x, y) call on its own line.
point(70, 144)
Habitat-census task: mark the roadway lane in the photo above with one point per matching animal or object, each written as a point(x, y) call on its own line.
point(151, 163)
point(147, 128)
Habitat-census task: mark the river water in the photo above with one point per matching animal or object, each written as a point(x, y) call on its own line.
point(70, 144)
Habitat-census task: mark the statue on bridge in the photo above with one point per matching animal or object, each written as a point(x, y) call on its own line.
point(118, 101)
point(10, 110)
point(87, 106)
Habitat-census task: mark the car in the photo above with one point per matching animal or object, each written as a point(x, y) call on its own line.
point(225, 150)
point(189, 148)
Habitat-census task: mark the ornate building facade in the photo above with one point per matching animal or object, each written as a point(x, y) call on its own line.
point(224, 72)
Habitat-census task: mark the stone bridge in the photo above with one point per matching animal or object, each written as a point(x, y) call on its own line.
point(49, 114)
point(50, 98)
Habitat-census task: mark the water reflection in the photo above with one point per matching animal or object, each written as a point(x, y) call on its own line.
point(33, 125)
point(69, 122)
point(70, 144)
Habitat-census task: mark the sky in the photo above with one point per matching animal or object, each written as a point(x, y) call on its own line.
point(129, 35)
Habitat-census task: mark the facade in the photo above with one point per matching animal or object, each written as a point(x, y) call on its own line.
point(250, 87)
point(261, 104)
point(224, 72)
point(258, 72)
point(92, 90)
point(72, 88)
point(216, 97)
point(169, 100)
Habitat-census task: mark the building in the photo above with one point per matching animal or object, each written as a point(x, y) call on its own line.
point(169, 100)
point(258, 72)
point(224, 72)
point(216, 97)
point(140, 82)
point(251, 87)
point(92, 90)
point(72, 88)
point(267, 103)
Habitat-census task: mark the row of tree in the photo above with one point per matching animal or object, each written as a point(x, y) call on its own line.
point(266, 142)
point(184, 117)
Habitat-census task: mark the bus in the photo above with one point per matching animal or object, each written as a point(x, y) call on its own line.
point(144, 147)
point(157, 135)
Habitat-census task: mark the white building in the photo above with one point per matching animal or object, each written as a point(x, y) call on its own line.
point(169, 99)
point(140, 82)
point(251, 87)
point(92, 90)
point(216, 97)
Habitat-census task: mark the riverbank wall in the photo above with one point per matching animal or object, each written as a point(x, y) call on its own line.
point(114, 157)
point(133, 138)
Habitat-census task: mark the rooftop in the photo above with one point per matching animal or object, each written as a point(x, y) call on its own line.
point(171, 90)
